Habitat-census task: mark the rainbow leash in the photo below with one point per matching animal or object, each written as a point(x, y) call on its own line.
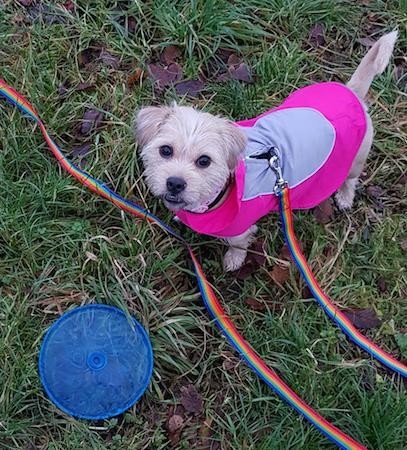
point(211, 302)
point(325, 302)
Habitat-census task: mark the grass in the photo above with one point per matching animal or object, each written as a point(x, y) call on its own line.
point(61, 247)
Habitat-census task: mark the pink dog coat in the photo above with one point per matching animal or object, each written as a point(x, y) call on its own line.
point(316, 132)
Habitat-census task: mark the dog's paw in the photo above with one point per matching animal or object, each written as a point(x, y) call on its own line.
point(344, 199)
point(346, 194)
point(234, 259)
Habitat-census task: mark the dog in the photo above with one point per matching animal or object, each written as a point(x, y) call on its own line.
point(217, 177)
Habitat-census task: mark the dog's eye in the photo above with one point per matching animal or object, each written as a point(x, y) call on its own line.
point(203, 161)
point(166, 151)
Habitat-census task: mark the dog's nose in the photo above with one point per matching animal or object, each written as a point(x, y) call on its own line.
point(176, 185)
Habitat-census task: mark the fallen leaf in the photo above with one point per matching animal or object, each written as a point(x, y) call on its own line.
point(375, 191)
point(81, 150)
point(234, 60)
point(189, 87)
point(135, 77)
point(366, 41)
point(246, 271)
point(88, 55)
point(91, 120)
point(224, 54)
point(280, 274)
point(257, 253)
point(241, 73)
point(402, 180)
point(131, 24)
point(382, 284)
point(69, 5)
point(255, 304)
point(403, 244)
point(324, 213)
point(45, 13)
point(84, 87)
point(306, 292)
point(164, 76)
point(25, 2)
point(362, 318)
point(175, 422)
point(191, 399)
point(170, 54)
point(316, 36)
point(108, 59)
point(255, 258)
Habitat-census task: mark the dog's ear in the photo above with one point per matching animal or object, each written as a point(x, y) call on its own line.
point(147, 121)
point(235, 143)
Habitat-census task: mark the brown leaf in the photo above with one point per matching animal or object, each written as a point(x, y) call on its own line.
point(366, 41)
point(81, 152)
point(25, 2)
point(255, 258)
point(382, 284)
point(191, 399)
point(306, 292)
point(324, 213)
point(316, 36)
point(170, 54)
point(189, 87)
point(403, 244)
point(108, 59)
point(224, 54)
point(234, 60)
point(402, 180)
point(280, 274)
point(131, 24)
point(84, 87)
point(257, 253)
point(164, 76)
point(362, 318)
point(375, 191)
point(246, 271)
point(175, 423)
point(39, 11)
point(255, 304)
point(69, 5)
point(241, 73)
point(88, 55)
point(91, 121)
point(135, 77)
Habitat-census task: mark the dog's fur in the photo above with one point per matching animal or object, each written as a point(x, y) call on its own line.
point(193, 133)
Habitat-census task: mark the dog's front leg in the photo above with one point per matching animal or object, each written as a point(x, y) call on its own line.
point(235, 256)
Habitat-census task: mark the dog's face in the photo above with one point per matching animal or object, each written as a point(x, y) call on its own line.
point(188, 155)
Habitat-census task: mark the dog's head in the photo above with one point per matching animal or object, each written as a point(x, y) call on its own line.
point(188, 155)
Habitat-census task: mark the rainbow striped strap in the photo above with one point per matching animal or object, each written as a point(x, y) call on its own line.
point(325, 302)
point(212, 303)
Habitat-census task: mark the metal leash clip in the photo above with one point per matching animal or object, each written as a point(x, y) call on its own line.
point(274, 163)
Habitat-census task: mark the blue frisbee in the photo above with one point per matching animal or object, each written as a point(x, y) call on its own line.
point(95, 362)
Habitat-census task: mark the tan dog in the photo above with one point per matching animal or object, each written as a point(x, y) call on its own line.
point(190, 156)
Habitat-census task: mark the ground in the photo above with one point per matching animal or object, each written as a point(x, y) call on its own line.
point(86, 66)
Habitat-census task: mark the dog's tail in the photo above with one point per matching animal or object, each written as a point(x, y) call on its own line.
point(372, 64)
